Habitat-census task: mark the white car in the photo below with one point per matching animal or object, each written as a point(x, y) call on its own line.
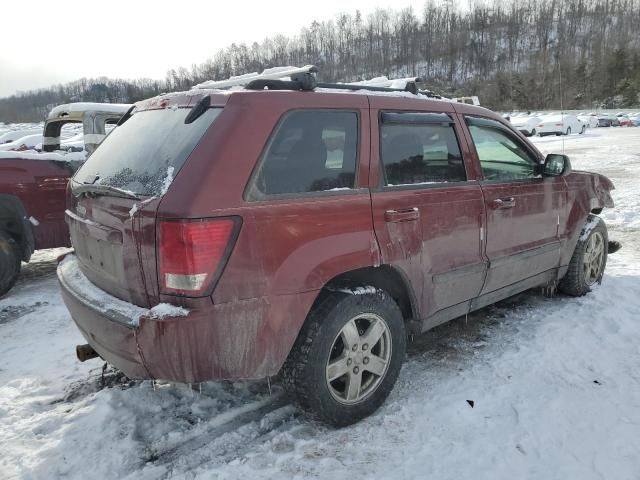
point(14, 135)
point(560, 125)
point(589, 119)
point(28, 142)
point(526, 125)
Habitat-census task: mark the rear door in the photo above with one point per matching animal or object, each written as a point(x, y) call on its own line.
point(522, 207)
point(427, 207)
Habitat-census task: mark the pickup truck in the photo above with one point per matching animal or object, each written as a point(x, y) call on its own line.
point(33, 185)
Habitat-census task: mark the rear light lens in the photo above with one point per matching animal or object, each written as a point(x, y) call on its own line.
point(192, 254)
point(558, 124)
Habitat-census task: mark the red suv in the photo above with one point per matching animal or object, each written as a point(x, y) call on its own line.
point(307, 229)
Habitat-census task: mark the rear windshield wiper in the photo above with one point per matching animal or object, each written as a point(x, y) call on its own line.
point(95, 190)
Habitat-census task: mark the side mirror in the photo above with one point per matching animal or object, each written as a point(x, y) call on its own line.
point(556, 165)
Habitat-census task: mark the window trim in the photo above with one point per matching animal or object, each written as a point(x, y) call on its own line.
point(382, 187)
point(251, 187)
point(492, 123)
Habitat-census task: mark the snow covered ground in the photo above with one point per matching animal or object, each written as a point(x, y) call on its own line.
point(555, 386)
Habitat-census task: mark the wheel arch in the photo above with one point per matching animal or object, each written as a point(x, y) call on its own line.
point(384, 277)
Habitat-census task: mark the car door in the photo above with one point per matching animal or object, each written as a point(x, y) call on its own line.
point(428, 209)
point(522, 207)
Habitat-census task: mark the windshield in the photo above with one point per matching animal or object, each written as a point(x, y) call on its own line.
point(143, 154)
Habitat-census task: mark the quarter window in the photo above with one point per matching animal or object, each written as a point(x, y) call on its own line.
point(415, 154)
point(501, 156)
point(311, 151)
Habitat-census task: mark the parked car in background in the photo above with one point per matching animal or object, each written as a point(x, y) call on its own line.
point(526, 125)
point(13, 135)
point(33, 186)
point(635, 119)
point(589, 119)
point(28, 142)
point(312, 247)
point(625, 121)
point(604, 120)
point(560, 125)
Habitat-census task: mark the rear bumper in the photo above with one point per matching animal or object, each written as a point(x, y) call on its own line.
point(242, 339)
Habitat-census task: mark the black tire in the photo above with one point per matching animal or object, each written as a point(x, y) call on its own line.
point(10, 262)
point(568, 132)
point(533, 133)
point(576, 281)
point(305, 372)
point(583, 129)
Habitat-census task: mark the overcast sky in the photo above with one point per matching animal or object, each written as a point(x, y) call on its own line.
point(53, 41)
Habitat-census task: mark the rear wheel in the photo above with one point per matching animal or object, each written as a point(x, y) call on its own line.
point(589, 259)
point(10, 262)
point(533, 132)
point(583, 129)
point(568, 132)
point(347, 356)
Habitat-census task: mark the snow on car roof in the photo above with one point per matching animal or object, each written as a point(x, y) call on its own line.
point(87, 107)
point(33, 155)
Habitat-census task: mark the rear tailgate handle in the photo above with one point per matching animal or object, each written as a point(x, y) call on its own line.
point(502, 203)
point(404, 215)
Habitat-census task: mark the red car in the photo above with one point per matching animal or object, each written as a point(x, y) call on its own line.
point(307, 229)
point(33, 186)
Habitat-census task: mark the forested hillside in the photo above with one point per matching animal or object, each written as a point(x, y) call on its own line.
point(512, 54)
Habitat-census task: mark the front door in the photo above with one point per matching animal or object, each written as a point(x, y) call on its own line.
point(522, 207)
point(427, 214)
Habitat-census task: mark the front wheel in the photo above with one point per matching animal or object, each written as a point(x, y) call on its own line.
point(583, 130)
point(10, 262)
point(589, 259)
point(568, 132)
point(347, 356)
point(533, 132)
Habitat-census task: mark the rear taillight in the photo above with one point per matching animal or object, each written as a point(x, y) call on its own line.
point(558, 124)
point(192, 254)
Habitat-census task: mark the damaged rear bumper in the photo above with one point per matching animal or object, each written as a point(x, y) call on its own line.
point(242, 339)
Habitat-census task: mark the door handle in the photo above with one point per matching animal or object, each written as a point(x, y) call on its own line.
point(404, 215)
point(503, 203)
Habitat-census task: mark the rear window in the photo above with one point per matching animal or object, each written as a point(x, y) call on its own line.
point(310, 151)
point(144, 153)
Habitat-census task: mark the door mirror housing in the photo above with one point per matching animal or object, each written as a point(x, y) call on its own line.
point(556, 165)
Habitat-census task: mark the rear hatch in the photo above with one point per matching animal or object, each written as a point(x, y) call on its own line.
point(115, 195)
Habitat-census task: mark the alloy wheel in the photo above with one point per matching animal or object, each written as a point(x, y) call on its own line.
point(359, 358)
point(593, 259)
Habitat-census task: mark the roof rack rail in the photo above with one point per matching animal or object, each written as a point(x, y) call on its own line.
point(268, 74)
point(410, 87)
point(303, 78)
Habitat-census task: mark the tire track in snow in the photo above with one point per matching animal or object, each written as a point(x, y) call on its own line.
point(225, 436)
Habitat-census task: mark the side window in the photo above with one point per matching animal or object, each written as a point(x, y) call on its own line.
point(420, 154)
point(502, 157)
point(311, 151)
